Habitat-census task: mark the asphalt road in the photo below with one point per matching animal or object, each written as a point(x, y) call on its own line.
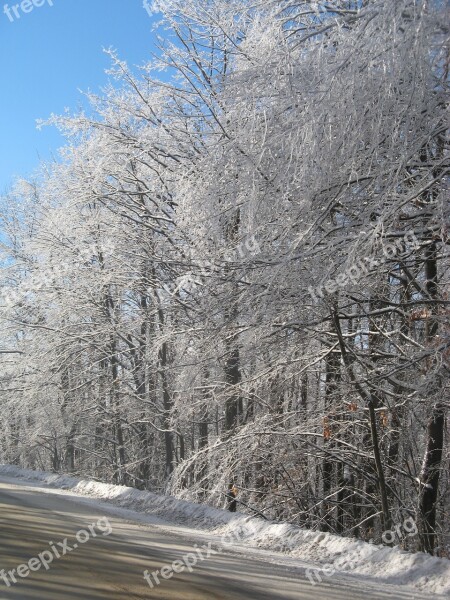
point(110, 564)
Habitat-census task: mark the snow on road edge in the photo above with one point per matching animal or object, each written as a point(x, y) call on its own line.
point(391, 565)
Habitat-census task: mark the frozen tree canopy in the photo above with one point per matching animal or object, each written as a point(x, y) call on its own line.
point(237, 276)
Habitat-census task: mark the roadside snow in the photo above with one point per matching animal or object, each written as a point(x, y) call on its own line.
point(389, 565)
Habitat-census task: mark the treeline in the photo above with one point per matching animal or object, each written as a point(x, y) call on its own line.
point(237, 274)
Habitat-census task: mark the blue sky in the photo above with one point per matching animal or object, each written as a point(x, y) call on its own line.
point(46, 56)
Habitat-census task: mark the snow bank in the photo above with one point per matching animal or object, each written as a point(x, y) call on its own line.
point(391, 565)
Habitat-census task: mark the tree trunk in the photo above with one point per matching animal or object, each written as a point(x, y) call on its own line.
point(429, 476)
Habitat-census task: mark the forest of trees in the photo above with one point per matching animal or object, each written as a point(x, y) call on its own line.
point(237, 273)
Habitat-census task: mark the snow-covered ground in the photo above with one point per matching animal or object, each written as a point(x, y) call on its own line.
point(288, 543)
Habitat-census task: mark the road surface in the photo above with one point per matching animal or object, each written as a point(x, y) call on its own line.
point(110, 564)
